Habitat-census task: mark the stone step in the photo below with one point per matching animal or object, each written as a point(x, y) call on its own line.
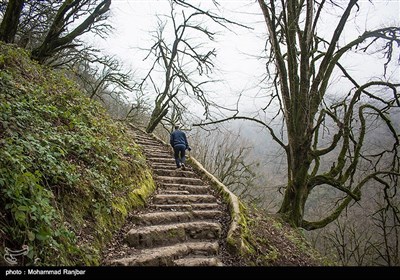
point(158, 154)
point(172, 207)
point(182, 187)
point(161, 159)
point(163, 191)
point(185, 207)
point(175, 217)
point(180, 227)
point(198, 261)
point(158, 149)
point(159, 235)
point(183, 199)
point(146, 141)
point(164, 256)
point(167, 165)
point(174, 172)
point(143, 137)
point(180, 180)
point(147, 148)
point(155, 149)
point(150, 143)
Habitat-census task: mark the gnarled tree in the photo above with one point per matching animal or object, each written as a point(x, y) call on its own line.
point(34, 21)
point(9, 24)
point(183, 62)
point(60, 36)
point(98, 73)
point(301, 64)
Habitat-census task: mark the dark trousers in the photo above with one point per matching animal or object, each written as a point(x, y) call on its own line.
point(179, 154)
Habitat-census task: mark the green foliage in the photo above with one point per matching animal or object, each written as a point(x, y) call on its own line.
point(67, 172)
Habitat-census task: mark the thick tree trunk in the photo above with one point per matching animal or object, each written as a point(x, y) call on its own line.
point(299, 161)
point(296, 194)
point(55, 39)
point(9, 25)
point(292, 207)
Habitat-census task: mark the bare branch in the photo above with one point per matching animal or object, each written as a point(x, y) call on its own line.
point(249, 119)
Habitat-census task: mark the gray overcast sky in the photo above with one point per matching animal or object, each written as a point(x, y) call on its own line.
point(133, 19)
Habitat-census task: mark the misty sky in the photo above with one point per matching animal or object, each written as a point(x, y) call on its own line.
point(237, 62)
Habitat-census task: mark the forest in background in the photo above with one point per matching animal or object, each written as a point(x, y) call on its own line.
point(240, 154)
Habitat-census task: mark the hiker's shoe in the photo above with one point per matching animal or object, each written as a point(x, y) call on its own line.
point(183, 166)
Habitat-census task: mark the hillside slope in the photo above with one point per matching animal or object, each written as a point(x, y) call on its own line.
point(70, 176)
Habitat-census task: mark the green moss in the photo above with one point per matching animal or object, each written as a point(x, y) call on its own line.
point(271, 256)
point(238, 235)
point(119, 205)
point(138, 196)
point(277, 224)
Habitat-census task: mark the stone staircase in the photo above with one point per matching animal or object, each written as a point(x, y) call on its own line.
point(183, 222)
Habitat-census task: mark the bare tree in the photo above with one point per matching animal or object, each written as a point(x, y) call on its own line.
point(139, 109)
point(364, 235)
point(301, 64)
point(387, 246)
point(228, 157)
point(35, 21)
point(97, 74)
point(352, 246)
point(182, 62)
point(9, 24)
point(59, 37)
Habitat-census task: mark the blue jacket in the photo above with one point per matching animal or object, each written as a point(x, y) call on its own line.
point(178, 137)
